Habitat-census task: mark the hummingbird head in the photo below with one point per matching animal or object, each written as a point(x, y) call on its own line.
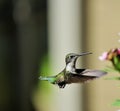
point(72, 57)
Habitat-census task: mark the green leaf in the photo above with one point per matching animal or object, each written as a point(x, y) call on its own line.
point(113, 78)
point(116, 60)
point(110, 69)
point(116, 103)
point(116, 63)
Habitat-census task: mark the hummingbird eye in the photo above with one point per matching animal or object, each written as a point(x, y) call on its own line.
point(71, 56)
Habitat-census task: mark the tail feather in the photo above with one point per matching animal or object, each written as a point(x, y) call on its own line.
point(43, 78)
point(50, 79)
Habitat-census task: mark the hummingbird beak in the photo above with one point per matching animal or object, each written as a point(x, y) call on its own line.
point(84, 53)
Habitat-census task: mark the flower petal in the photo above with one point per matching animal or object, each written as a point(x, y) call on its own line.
point(103, 56)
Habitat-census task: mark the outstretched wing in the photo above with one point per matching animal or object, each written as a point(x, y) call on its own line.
point(96, 73)
point(84, 75)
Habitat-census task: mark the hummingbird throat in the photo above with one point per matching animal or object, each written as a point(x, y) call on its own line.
point(70, 67)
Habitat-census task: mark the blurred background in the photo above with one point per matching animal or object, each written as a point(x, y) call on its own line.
point(35, 36)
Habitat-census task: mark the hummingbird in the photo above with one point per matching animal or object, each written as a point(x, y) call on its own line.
point(70, 74)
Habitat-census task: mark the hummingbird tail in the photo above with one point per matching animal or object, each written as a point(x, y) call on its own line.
point(43, 78)
point(50, 79)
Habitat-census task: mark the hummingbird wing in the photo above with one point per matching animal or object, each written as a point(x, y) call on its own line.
point(95, 73)
point(85, 75)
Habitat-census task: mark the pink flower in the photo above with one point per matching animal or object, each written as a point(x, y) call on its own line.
point(103, 56)
point(118, 51)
